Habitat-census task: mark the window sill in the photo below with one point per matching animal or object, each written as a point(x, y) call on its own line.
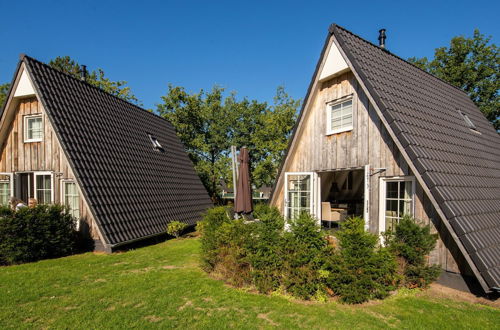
point(337, 131)
point(33, 140)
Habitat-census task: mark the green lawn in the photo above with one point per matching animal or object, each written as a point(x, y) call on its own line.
point(162, 286)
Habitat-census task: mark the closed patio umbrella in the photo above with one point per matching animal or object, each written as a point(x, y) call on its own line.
point(243, 200)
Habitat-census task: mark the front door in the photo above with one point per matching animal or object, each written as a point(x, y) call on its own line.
point(300, 193)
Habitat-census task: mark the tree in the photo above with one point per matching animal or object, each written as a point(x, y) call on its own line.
point(471, 64)
point(209, 123)
point(4, 89)
point(96, 77)
point(202, 121)
point(265, 131)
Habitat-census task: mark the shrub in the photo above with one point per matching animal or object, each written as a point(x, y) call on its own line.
point(359, 270)
point(210, 240)
point(411, 243)
point(232, 264)
point(265, 253)
point(175, 228)
point(304, 249)
point(298, 261)
point(30, 234)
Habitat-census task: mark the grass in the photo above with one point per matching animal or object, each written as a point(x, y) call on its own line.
point(162, 286)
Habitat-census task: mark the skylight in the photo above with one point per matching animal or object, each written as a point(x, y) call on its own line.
point(156, 145)
point(468, 122)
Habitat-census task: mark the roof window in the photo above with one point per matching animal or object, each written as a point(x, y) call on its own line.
point(468, 122)
point(156, 145)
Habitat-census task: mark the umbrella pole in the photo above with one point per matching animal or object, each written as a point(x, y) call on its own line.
point(234, 165)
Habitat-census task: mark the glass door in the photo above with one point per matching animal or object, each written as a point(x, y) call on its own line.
point(300, 192)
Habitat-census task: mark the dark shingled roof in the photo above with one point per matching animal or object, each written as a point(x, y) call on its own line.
point(132, 189)
point(460, 166)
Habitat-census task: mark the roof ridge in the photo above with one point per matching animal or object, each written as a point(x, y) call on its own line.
point(24, 56)
point(333, 26)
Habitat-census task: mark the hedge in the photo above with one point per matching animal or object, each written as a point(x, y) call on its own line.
point(30, 234)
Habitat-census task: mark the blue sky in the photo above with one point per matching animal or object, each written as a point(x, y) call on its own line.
point(246, 46)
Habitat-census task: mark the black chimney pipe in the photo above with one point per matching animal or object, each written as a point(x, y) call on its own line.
point(83, 73)
point(381, 38)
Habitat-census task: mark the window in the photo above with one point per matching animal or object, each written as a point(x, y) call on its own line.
point(4, 192)
point(397, 198)
point(71, 198)
point(339, 117)
point(299, 192)
point(43, 187)
point(33, 128)
point(5, 188)
point(156, 144)
point(469, 122)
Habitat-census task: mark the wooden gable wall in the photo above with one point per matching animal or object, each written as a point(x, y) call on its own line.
point(47, 155)
point(368, 143)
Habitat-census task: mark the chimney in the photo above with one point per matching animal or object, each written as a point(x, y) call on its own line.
point(381, 38)
point(83, 73)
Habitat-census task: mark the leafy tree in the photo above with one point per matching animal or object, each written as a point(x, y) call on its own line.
point(267, 139)
point(471, 64)
point(3, 93)
point(95, 77)
point(209, 123)
point(203, 123)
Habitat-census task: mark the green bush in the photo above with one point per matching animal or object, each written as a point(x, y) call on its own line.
point(299, 261)
point(304, 249)
point(175, 228)
point(232, 263)
point(412, 243)
point(265, 249)
point(262, 253)
point(209, 229)
point(359, 270)
point(30, 234)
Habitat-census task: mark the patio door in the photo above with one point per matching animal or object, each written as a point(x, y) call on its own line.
point(24, 186)
point(301, 194)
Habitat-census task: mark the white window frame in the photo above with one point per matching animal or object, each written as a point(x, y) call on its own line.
point(156, 144)
point(314, 205)
point(382, 197)
point(329, 105)
point(11, 181)
point(63, 199)
point(366, 197)
point(25, 128)
point(35, 174)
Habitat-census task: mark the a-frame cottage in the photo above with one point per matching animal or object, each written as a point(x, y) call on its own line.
point(121, 169)
point(379, 138)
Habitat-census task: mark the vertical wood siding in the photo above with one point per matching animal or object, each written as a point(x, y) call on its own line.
point(368, 143)
point(47, 155)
